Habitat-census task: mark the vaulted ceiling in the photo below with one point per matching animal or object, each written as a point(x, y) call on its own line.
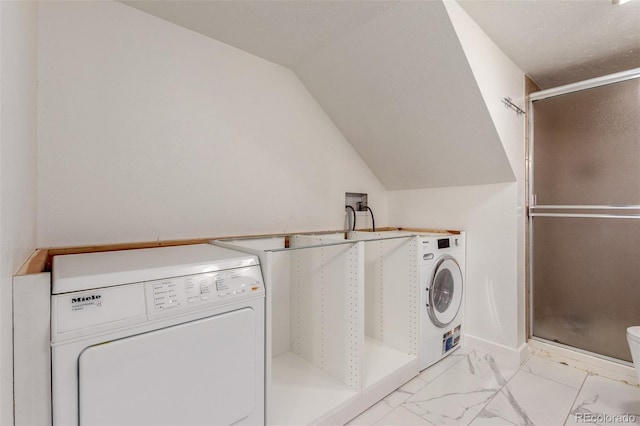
point(400, 89)
point(393, 76)
point(284, 32)
point(390, 74)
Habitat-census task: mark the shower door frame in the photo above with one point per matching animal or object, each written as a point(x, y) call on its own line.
point(531, 201)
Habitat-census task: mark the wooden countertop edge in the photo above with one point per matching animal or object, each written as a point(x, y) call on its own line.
point(36, 263)
point(40, 259)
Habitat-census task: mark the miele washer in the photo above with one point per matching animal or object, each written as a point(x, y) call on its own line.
point(441, 283)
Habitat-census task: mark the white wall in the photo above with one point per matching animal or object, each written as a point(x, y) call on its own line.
point(498, 77)
point(18, 132)
point(493, 215)
point(399, 87)
point(150, 131)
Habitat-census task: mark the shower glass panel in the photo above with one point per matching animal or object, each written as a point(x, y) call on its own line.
point(585, 217)
point(586, 282)
point(587, 146)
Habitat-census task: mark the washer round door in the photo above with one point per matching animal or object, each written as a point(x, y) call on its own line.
point(445, 291)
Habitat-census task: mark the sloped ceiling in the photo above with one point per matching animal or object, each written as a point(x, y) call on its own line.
point(400, 89)
point(391, 75)
point(284, 32)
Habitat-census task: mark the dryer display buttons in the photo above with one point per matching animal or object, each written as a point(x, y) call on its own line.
point(195, 290)
point(165, 295)
point(205, 290)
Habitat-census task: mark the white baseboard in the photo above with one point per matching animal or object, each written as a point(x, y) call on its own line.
point(592, 364)
point(497, 350)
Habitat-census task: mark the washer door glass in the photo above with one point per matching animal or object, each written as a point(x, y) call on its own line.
point(445, 292)
point(442, 290)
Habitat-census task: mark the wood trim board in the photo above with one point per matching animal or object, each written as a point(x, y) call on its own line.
point(41, 259)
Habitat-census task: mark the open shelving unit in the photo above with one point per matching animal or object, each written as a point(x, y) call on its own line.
point(341, 322)
point(302, 393)
point(391, 306)
point(313, 326)
point(381, 361)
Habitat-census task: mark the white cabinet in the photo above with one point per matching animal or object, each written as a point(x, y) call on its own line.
point(341, 323)
point(391, 305)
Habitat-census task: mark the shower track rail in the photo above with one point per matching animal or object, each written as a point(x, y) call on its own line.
point(633, 209)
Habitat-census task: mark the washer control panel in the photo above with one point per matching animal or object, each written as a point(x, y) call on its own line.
point(432, 247)
point(206, 288)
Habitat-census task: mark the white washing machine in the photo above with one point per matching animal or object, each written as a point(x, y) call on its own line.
point(160, 336)
point(441, 281)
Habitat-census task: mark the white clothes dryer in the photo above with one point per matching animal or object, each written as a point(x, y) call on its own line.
point(441, 282)
point(160, 336)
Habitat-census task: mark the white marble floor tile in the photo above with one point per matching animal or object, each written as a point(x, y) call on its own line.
point(449, 406)
point(469, 387)
point(601, 397)
point(430, 373)
point(395, 399)
point(413, 385)
point(507, 368)
point(372, 414)
point(533, 400)
point(403, 417)
point(486, 418)
point(460, 393)
point(493, 372)
point(555, 371)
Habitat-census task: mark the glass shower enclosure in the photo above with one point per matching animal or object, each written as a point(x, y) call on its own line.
point(584, 214)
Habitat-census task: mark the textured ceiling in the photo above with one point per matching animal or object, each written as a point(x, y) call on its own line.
point(391, 75)
point(560, 42)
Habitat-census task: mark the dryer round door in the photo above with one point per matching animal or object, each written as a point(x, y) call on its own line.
point(445, 291)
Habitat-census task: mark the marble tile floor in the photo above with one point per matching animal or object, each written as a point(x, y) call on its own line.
point(472, 388)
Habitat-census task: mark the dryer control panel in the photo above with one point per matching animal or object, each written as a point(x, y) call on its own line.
point(80, 313)
point(207, 288)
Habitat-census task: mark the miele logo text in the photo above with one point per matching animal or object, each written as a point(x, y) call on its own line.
point(85, 298)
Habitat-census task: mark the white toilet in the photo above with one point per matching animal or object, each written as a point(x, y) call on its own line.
point(633, 337)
